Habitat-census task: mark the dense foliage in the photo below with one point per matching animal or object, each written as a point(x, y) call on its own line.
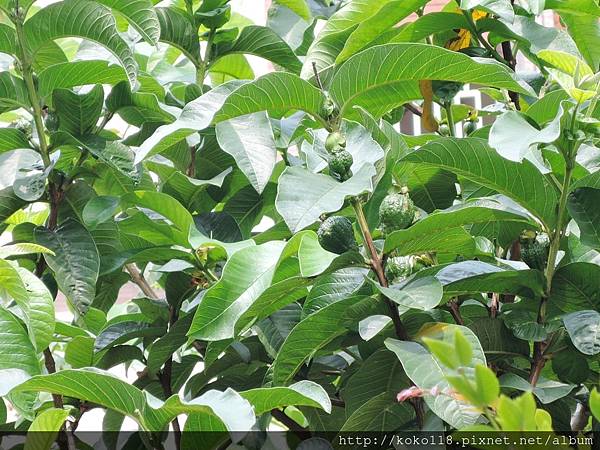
point(301, 262)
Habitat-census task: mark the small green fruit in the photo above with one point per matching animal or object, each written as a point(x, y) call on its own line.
point(469, 127)
point(446, 90)
point(328, 107)
point(52, 121)
point(398, 268)
point(535, 249)
point(24, 126)
point(336, 235)
point(444, 130)
point(339, 165)
point(215, 18)
point(335, 142)
point(396, 212)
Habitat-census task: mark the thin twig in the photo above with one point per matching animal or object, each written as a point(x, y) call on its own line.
point(166, 378)
point(139, 279)
point(291, 424)
point(455, 312)
point(317, 77)
point(495, 305)
point(413, 109)
point(337, 402)
point(378, 269)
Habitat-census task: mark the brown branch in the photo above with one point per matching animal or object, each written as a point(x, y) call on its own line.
point(191, 171)
point(538, 363)
point(317, 77)
point(495, 305)
point(515, 255)
point(512, 63)
point(337, 402)
point(377, 266)
point(413, 109)
point(200, 347)
point(51, 368)
point(139, 279)
point(454, 308)
point(166, 377)
point(580, 417)
point(291, 424)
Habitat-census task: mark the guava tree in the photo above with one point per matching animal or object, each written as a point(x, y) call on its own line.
point(301, 263)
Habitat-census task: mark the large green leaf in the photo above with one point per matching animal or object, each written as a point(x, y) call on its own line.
point(8, 39)
point(595, 403)
point(584, 329)
point(75, 261)
point(164, 347)
point(18, 358)
point(12, 139)
point(380, 373)
point(181, 226)
point(126, 330)
point(386, 76)
point(102, 388)
point(582, 204)
point(592, 180)
point(85, 19)
point(302, 393)
point(380, 413)
point(474, 159)
point(391, 13)
point(428, 24)
point(140, 14)
point(574, 6)
point(137, 108)
point(265, 43)
point(277, 296)
point(272, 330)
point(78, 114)
point(547, 391)
point(185, 188)
point(302, 196)
point(331, 39)
point(428, 373)
point(22, 248)
point(249, 139)
point(177, 29)
point(470, 277)
point(433, 233)
point(79, 73)
point(308, 337)
point(333, 287)
point(230, 67)
point(585, 31)
point(43, 430)
point(546, 108)
point(13, 94)
point(576, 286)
point(196, 116)
point(247, 274)
point(277, 93)
point(34, 300)
point(113, 153)
point(79, 352)
point(9, 203)
point(298, 6)
point(501, 8)
point(423, 293)
point(513, 137)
